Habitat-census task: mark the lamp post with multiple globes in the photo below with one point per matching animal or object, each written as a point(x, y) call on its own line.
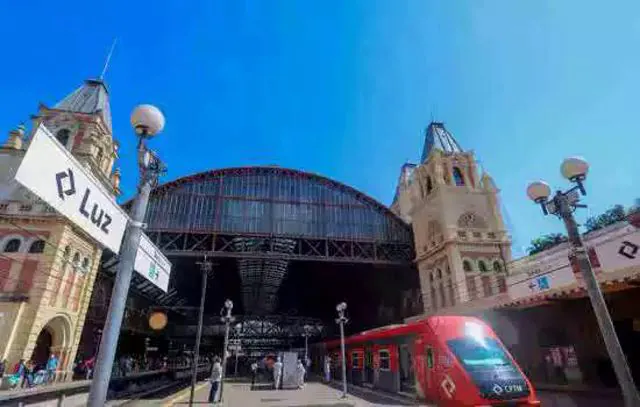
point(147, 122)
point(563, 204)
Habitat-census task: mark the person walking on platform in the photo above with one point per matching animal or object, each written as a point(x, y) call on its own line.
point(216, 376)
point(254, 373)
point(3, 368)
point(277, 373)
point(300, 371)
point(327, 369)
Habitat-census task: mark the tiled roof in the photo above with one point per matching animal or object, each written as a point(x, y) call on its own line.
point(437, 136)
point(92, 97)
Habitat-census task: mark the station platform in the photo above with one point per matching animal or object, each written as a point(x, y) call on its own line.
point(312, 394)
point(239, 394)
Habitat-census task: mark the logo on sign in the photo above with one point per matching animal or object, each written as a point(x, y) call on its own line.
point(542, 283)
point(448, 386)
point(509, 388)
point(66, 185)
point(153, 272)
point(628, 249)
point(69, 187)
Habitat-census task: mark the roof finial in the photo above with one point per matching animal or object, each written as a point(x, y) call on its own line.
point(106, 63)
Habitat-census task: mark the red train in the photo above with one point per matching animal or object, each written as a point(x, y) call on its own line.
point(448, 360)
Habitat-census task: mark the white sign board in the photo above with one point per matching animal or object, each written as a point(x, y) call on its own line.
point(55, 176)
point(621, 252)
point(152, 264)
point(542, 276)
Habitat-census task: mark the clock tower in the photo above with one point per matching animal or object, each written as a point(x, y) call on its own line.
point(461, 241)
point(48, 266)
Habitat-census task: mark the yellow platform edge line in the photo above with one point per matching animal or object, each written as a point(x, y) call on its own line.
point(183, 393)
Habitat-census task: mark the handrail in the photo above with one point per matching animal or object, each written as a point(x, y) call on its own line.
point(43, 393)
point(61, 390)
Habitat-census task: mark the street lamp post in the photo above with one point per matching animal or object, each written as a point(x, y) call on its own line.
point(341, 320)
point(562, 205)
point(227, 319)
point(206, 268)
point(238, 346)
point(147, 121)
point(306, 334)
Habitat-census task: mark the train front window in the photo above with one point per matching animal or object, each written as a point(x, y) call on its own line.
point(479, 354)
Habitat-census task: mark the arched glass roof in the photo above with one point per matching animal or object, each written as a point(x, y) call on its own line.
point(272, 201)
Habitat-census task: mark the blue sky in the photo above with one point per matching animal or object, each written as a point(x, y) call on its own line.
point(346, 88)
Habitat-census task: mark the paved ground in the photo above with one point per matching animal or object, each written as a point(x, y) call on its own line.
point(555, 399)
point(313, 394)
point(317, 394)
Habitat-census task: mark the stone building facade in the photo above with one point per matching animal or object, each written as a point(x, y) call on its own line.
point(48, 266)
point(461, 242)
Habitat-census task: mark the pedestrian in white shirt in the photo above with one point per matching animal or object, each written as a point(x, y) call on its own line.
point(300, 370)
point(216, 376)
point(254, 373)
point(277, 373)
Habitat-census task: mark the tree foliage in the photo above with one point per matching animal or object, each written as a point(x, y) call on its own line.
point(613, 215)
point(546, 242)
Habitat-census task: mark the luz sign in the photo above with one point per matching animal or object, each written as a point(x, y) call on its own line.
point(55, 176)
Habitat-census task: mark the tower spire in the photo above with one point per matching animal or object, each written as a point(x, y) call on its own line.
point(106, 62)
point(437, 136)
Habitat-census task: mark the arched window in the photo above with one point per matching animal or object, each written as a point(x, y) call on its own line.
point(429, 185)
point(448, 270)
point(37, 246)
point(439, 273)
point(76, 260)
point(431, 276)
point(443, 298)
point(497, 267)
point(482, 266)
point(63, 136)
point(99, 156)
point(457, 176)
point(85, 264)
point(466, 266)
point(12, 246)
point(67, 253)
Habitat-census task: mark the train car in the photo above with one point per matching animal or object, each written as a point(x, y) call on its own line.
point(448, 360)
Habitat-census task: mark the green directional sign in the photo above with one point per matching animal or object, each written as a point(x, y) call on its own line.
point(153, 272)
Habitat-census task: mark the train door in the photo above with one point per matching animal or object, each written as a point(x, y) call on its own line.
point(406, 370)
point(430, 371)
point(368, 366)
point(424, 369)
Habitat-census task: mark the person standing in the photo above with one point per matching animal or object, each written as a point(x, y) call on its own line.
point(216, 376)
point(52, 366)
point(327, 369)
point(277, 373)
point(254, 373)
point(88, 365)
point(3, 368)
point(300, 370)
